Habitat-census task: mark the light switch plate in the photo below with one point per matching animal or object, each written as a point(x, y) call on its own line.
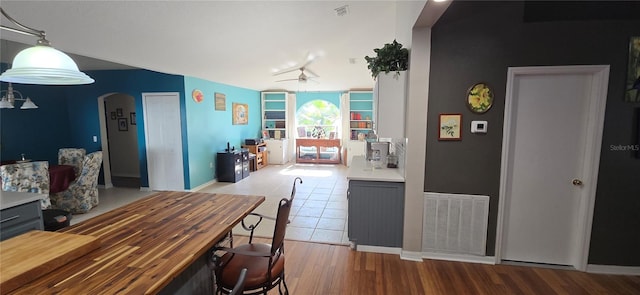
point(478, 126)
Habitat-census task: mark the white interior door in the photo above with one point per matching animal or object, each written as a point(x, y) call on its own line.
point(164, 140)
point(550, 151)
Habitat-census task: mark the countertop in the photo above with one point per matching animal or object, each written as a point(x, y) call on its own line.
point(12, 199)
point(361, 170)
point(146, 244)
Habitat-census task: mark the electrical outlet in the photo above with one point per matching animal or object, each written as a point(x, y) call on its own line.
point(95, 138)
point(210, 164)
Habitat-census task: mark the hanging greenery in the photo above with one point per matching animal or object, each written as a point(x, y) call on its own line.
point(391, 57)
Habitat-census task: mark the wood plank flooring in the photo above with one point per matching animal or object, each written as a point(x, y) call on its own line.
point(313, 268)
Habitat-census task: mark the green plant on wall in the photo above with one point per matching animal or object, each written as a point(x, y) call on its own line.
point(391, 57)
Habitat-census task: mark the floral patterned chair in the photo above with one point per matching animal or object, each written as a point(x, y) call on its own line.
point(82, 194)
point(73, 157)
point(30, 177)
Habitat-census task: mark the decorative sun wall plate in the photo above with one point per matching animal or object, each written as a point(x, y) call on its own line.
point(197, 95)
point(479, 98)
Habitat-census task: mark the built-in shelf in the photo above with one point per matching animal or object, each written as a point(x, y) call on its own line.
point(362, 114)
point(274, 114)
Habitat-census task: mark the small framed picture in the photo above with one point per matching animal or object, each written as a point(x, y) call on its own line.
point(240, 114)
point(479, 98)
point(265, 134)
point(113, 115)
point(220, 101)
point(450, 127)
point(122, 124)
point(132, 118)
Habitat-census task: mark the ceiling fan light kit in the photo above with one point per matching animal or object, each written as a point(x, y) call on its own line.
point(302, 78)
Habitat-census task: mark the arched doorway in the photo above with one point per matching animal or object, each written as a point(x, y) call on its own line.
point(119, 135)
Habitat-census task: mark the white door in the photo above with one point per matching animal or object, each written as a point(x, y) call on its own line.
point(552, 145)
point(164, 140)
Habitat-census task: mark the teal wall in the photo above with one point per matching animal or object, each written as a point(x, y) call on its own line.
point(208, 130)
point(304, 97)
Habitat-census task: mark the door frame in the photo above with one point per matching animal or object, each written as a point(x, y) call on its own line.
point(104, 140)
point(595, 123)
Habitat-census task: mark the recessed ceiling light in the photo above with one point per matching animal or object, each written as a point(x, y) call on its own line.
point(342, 10)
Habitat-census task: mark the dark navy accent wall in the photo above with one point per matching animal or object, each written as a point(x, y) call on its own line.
point(83, 106)
point(476, 41)
point(37, 133)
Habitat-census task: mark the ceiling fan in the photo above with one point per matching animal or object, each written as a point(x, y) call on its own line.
point(302, 78)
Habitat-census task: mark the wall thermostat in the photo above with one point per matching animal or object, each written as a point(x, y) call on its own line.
point(478, 126)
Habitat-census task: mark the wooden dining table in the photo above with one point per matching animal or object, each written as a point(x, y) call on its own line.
point(156, 245)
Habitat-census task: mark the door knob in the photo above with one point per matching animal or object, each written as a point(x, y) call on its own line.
point(576, 181)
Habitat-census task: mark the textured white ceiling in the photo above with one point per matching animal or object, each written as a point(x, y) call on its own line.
point(238, 43)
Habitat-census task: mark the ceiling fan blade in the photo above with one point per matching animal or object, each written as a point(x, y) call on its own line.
point(296, 68)
point(296, 79)
point(308, 61)
point(311, 72)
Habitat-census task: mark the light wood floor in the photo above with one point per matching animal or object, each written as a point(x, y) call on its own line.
point(313, 268)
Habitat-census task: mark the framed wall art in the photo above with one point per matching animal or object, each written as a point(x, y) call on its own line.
point(132, 118)
point(450, 127)
point(240, 114)
point(122, 124)
point(479, 98)
point(220, 102)
point(197, 95)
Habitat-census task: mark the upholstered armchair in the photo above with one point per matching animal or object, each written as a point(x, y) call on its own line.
point(73, 157)
point(82, 194)
point(30, 177)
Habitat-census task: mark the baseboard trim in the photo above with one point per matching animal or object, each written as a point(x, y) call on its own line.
point(378, 249)
point(145, 189)
point(614, 269)
point(411, 256)
point(202, 186)
point(105, 186)
point(460, 258)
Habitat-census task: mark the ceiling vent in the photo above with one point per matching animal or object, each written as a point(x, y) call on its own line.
point(342, 10)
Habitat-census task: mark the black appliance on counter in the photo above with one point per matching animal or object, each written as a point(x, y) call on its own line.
point(232, 166)
point(253, 141)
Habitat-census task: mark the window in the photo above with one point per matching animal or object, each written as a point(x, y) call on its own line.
point(318, 119)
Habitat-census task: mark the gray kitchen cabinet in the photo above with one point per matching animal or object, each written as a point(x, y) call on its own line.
point(376, 213)
point(20, 219)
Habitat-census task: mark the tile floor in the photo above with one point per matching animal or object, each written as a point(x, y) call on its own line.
point(319, 212)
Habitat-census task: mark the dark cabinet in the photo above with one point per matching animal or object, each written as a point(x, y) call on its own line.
point(376, 213)
point(232, 166)
point(20, 219)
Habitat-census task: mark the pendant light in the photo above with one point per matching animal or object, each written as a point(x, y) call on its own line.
point(10, 98)
point(41, 64)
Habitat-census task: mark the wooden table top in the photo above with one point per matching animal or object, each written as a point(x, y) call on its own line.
point(145, 244)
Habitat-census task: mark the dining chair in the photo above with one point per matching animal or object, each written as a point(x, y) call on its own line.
point(32, 177)
point(239, 287)
point(73, 157)
point(82, 193)
point(264, 262)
